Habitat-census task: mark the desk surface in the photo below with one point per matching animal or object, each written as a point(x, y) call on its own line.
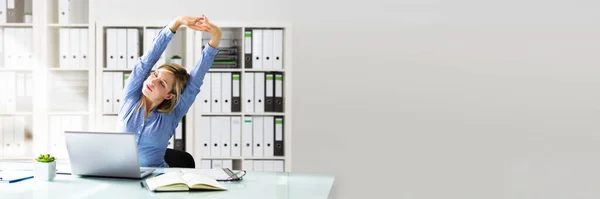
point(264, 185)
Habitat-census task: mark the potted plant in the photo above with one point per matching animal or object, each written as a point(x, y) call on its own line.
point(176, 59)
point(28, 17)
point(45, 167)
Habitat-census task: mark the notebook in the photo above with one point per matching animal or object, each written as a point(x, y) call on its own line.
point(179, 181)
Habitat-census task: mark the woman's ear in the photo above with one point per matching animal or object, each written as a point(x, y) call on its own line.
point(169, 96)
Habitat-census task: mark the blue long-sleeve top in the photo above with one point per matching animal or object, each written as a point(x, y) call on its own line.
point(153, 133)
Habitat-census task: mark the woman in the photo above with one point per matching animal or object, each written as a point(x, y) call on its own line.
point(154, 103)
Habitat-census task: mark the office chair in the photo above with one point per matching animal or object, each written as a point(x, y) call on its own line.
point(182, 159)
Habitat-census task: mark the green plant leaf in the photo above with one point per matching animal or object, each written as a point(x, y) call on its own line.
point(45, 158)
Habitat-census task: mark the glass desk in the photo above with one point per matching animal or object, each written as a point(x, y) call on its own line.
point(263, 185)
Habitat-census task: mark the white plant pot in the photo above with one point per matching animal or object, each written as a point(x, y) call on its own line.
point(45, 171)
point(177, 61)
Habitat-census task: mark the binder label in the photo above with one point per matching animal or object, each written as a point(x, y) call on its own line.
point(278, 131)
point(248, 42)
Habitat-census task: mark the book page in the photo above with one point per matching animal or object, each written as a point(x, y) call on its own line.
point(166, 181)
point(197, 181)
point(217, 174)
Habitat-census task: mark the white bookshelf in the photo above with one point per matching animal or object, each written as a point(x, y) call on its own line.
point(16, 69)
point(287, 66)
point(17, 25)
point(25, 42)
point(68, 69)
point(17, 114)
point(68, 113)
point(225, 70)
point(265, 70)
point(74, 80)
point(116, 70)
point(69, 25)
point(49, 78)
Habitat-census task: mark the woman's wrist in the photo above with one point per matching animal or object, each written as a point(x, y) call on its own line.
point(217, 32)
point(215, 40)
point(175, 24)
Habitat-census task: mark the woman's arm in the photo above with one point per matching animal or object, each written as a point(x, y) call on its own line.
point(192, 88)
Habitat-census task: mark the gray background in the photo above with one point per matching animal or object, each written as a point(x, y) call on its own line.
point(432, 98)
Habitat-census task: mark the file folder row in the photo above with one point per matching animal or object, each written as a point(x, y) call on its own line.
point(73, 48)
point(228, 56)
point(229, 136)
point(112, 93)
point(17, 93)
point(214, 164)
point(263, 92)
point(122, 47)
point(16, 47)
point(57, 127)
point(69, 91)
point(13, 129)
point(219, 93)
point(263, 48)
point(72, 11)
point(14, 11)
point(149, 35)
point(264, 165)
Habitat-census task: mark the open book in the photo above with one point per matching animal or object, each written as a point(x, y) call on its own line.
point(178, 181)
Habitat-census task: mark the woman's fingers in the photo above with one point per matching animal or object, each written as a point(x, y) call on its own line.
point(190, 21)
point(205, 19)
point(202, 27)
point(200, 23)
point(205, 28)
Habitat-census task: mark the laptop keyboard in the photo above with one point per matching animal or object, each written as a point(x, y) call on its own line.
point(142, 171)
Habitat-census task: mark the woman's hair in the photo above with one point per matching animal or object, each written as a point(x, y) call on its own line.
point(181, 78)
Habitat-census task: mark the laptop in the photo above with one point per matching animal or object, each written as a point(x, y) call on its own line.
point(104, 154)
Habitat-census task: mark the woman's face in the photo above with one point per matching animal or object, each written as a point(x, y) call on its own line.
point(158, 85)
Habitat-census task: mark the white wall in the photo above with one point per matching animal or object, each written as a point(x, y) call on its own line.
point(435, 99)
point(223, 10)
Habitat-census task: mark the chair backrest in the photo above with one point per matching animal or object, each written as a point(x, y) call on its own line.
point(182, 159)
